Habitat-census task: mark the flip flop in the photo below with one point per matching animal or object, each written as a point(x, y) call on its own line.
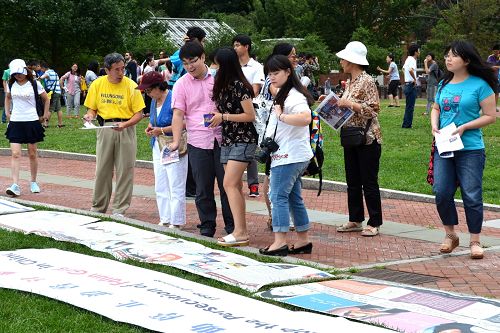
point(350, 227)
point(230, 241)
point(369, 232)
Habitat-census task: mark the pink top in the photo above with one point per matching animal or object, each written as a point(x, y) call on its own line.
point(72, 83)
point(193, 97)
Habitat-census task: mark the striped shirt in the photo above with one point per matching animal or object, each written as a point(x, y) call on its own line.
point(52, 81)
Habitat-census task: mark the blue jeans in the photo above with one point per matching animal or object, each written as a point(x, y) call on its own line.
point(466, 168)
point(410, 91)
point(285, 195)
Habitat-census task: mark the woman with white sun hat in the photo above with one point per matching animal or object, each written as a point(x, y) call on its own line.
point(361, 161)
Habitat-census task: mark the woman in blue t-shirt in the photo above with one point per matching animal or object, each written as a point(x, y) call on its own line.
point(468, 87)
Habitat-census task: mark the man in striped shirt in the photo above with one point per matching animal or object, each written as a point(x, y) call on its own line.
point(52, 85)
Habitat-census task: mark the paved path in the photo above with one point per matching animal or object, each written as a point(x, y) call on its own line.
point(409, 240)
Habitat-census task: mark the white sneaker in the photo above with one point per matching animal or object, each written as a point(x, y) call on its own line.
point(119, 215)
point(14, 190)
point(165, 224)
point(35, 188)
point(174, 226)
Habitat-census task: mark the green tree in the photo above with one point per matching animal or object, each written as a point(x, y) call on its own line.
point(62, 32)
point(472, 20)
point(376, 54)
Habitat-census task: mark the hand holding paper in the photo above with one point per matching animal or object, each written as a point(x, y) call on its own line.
point(89, 125)
point(448, 141)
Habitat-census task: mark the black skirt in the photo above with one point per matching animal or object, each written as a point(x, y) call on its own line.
point(25, 132)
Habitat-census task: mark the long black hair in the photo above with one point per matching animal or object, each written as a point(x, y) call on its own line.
point(475, 64)
point(229, 71)
point(280, 62)
point(280, 48)
point(93, 66)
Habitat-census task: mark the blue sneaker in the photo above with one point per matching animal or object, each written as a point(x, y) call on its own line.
point(14, 190)
point(35, 188)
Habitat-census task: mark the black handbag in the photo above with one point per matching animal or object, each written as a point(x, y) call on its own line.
point(354, 136)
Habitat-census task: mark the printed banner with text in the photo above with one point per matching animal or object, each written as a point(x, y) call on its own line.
point(124, 241)
point(407, 308)
point(153, 300)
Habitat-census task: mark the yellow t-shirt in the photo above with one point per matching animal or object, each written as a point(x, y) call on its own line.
point(114, 100)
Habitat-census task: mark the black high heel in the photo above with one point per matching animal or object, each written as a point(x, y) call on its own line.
point(279, 252)
point(306, 249)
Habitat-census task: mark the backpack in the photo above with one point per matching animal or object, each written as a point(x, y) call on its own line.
point(438, 74)
point(40, 108)
point(316, 140)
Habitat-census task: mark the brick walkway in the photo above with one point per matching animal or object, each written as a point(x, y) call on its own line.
point(454, 273)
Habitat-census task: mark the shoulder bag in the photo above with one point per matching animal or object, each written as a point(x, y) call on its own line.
point(354, 136)
point(164, 140)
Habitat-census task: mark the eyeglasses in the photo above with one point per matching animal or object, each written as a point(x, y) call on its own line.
point(451, 55)
point(191, 62)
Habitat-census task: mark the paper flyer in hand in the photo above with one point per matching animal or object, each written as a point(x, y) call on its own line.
point(332, 114)
point(89, 125)
point(168, 156)
point(446, 142)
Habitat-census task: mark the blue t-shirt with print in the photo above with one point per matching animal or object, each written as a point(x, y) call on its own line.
point(459, 103)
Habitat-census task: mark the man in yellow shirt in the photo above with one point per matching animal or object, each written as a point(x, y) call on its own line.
point(113, 100)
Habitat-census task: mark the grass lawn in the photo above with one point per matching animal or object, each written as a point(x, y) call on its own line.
point(405, 152)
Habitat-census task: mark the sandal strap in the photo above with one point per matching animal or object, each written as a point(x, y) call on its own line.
point(452, 236)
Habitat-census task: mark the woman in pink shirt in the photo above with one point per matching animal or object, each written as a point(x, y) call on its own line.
point(70, 83)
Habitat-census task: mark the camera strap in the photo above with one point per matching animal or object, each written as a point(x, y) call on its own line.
point(267, 122)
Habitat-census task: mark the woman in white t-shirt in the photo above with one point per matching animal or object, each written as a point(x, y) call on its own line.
point(289, 128)
point(24, 125)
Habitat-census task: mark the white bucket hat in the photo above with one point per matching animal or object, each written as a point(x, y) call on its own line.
point(18, 66)
point(354, 52)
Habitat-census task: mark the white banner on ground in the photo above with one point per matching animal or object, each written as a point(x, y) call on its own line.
point(124, 241)
point(408, 308)
point(153, 300)
point(9, 207)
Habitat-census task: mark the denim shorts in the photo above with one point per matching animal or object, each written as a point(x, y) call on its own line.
point(241, 152)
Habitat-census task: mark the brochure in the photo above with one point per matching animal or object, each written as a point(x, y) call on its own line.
point(89, 125)
point(446, 143)
point(331, 113)
point(168, 156)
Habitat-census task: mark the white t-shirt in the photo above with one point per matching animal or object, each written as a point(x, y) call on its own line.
point(294, 141)
point(254, 72)
point(23, 101)
point(410, 63)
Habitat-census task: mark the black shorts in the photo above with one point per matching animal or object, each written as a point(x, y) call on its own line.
point(25, 132)
point(393, 88)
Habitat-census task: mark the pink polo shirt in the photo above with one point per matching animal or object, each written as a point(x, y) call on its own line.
point(193, 97)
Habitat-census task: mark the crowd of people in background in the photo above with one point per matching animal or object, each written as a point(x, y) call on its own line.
point(203, 128)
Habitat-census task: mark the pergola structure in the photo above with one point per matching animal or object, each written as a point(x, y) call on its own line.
point(177, 27)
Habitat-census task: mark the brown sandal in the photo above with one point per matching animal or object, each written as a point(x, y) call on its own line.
point(450, 242)
point(476, 251)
